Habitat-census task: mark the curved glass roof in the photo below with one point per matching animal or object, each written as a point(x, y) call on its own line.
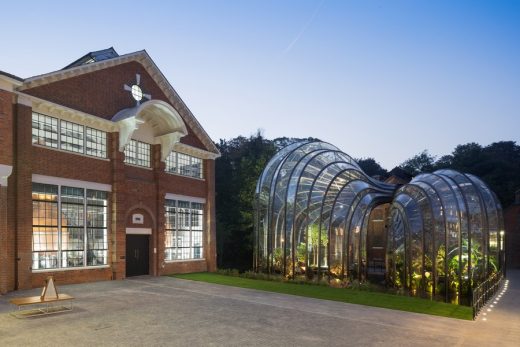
point(305, 189)
point(314, 215)
point(444, 235)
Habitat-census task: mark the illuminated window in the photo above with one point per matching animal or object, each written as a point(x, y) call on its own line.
point(97, 227)
point(184, 230)
point(184, 164)
point(45, 226)
point(72, 229)
point(66, 222)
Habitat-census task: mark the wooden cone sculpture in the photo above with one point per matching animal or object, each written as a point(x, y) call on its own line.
point(49, 291)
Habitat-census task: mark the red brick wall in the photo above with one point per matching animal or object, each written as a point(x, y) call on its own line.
point(211, 226)
point(22, 170)
point(6, 126)
point(71, 276)
point(72, 166)
point(6, 158)
point(6, 245)
point(134, 189)
point(178, 267)
point(101, 93)
point(184, 185)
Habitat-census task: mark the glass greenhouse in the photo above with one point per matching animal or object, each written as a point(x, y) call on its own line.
point(319, 216)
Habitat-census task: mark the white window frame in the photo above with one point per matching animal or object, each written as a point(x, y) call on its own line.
point(190, 200)
point(58, 182)
point(59, 135)
point(137, 151)
point(173, 157)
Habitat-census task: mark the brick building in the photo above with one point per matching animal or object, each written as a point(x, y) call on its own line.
point(104, 174)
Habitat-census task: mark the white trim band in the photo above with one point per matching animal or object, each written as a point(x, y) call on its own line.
point(194, 151)
point(139, 231)
point(171, 196)
point(78, 268)
point(5, 172)
point(58, 181)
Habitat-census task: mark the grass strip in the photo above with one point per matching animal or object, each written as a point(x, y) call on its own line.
point(352, 296)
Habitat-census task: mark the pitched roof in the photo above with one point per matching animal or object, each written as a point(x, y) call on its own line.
point(7, 74)
point(82, 66)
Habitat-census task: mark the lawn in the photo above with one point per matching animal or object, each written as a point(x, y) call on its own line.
point(352, 296)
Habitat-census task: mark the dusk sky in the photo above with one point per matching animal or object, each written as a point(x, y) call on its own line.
point(382, 79)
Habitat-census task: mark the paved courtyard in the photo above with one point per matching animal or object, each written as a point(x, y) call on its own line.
point(146, 311)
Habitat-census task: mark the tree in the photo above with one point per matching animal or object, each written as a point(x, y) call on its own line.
point(244, 158)
point(422, 162)
point(497, 164)
point(444, 162)
point(372, 168)
point(318, 240)
point(467, 158)
point(236, 173)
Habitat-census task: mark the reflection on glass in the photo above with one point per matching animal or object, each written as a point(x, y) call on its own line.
point(319, 216)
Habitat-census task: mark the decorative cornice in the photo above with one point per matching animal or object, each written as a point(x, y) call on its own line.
point(71, 182)
point(9, 83)
point(171, 196)
point(23, 99)
point(59, 75)
point(194, 151)
point(146, 61)
point(62, 112)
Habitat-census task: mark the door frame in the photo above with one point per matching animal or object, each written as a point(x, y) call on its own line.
point(143, 232)
point(148, 238)
point(148, 226)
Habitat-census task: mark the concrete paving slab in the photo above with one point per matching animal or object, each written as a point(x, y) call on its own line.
point(163, 311)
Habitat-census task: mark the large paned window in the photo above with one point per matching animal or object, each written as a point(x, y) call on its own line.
point(45, 226)
point(184, 230)
point(70, 227)
point(44, 130)
point(96, 143)
point(138, 153)
point(184, 164)
point(72, 137)
point(97, 227)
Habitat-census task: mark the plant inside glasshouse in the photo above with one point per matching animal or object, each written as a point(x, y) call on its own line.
point(318, 216)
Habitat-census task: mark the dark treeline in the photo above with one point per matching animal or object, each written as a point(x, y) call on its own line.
point(237, 171)
point(243, 160)
point(497, 164)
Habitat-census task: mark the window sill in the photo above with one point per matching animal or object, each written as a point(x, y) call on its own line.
point(139, 166)
point(183, 260)
point(185, 176)
point(70, 152)
point(72, 268)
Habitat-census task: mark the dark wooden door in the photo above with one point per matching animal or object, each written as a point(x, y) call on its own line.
point(137, 255)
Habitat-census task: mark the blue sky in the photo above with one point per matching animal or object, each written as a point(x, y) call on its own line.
point(382, 79)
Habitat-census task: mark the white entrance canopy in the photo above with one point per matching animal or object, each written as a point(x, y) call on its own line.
point(165, 122)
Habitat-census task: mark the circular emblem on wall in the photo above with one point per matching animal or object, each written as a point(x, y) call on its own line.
point(137, 93)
